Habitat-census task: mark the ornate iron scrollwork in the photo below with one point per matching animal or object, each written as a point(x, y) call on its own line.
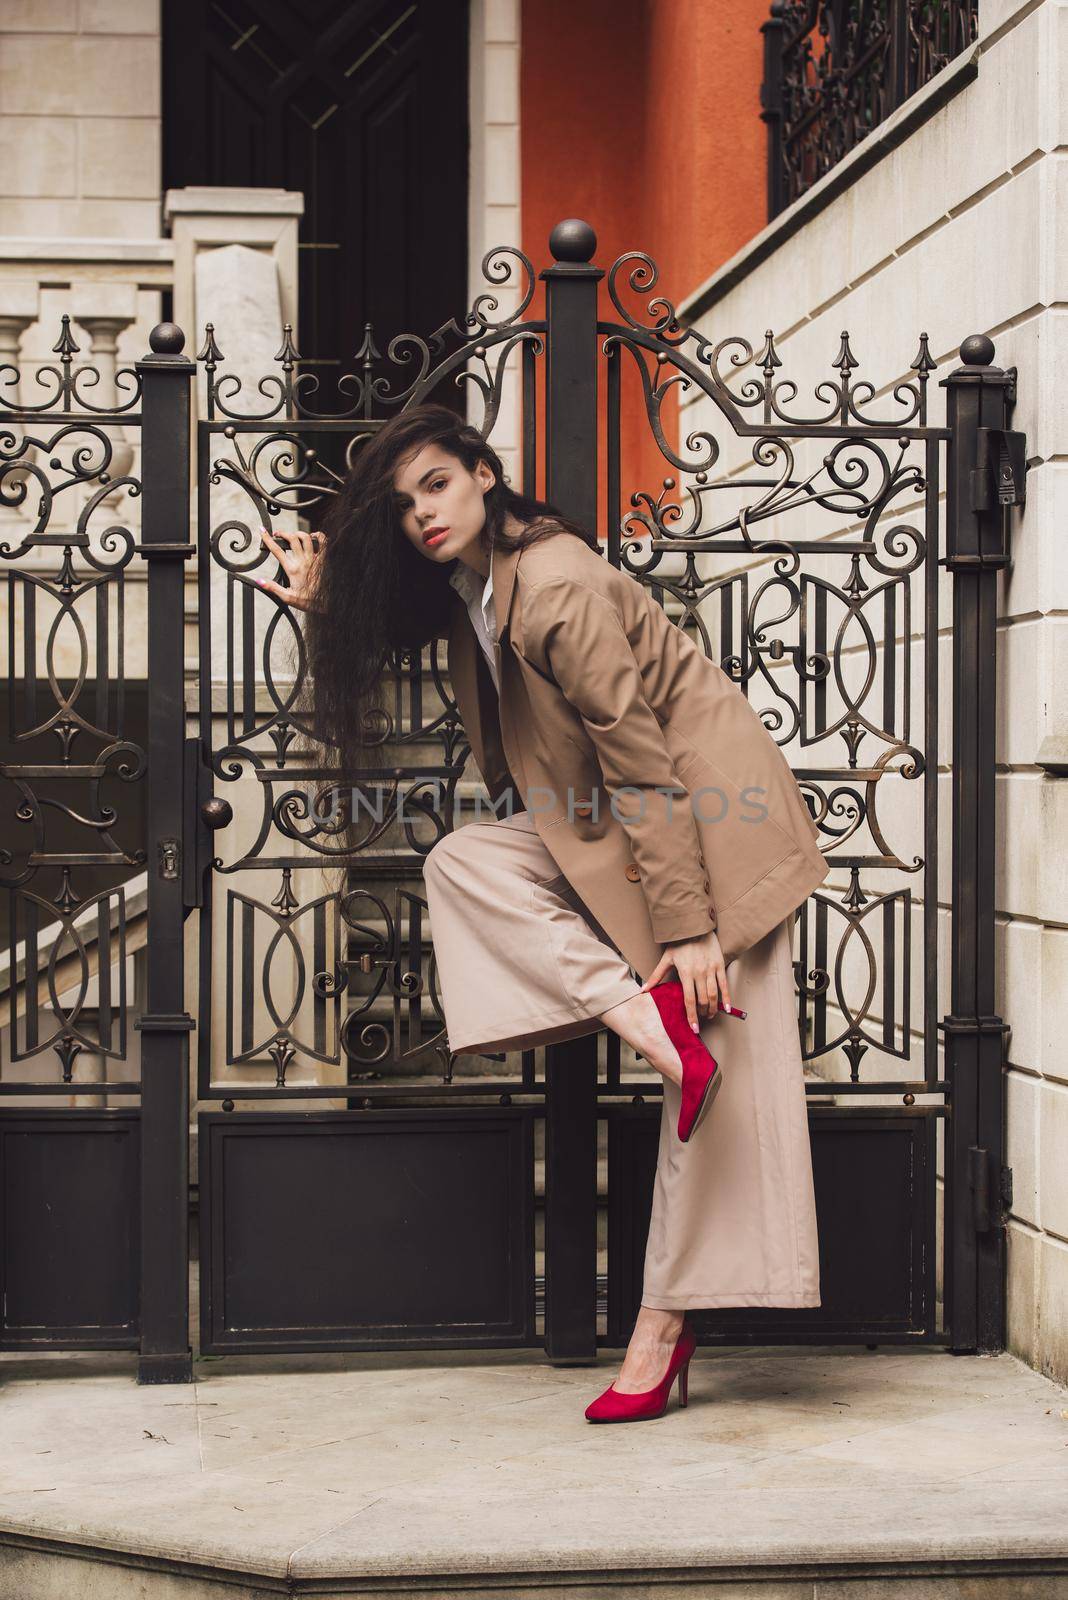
point(836, 69)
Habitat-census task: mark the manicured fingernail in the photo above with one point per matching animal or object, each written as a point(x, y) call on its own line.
point(695, 1028)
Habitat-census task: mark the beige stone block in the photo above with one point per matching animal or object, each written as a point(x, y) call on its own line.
point(502, 21)
point(37, 155)
point(1052, 998)
point(1052, 898)
point(78, 76)
point(1053, 1166)
point(115, 300)
point(1037, 579)
point(997, 16)
point(1022, 1101)
point(1038, 348)
point(1057, 55)
point(1020, 1291)
point(39, 16)
point(1017, 963)
point(1051, 1344)
point(119, 157)
point(502, 228)
point(119, 16)
point(95, 219)
point(502, 83)
point(1021, 864)
point(19, 299)
point(1032, 669)
point(502, 164)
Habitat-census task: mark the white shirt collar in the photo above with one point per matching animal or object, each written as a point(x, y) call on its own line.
point(471, 587)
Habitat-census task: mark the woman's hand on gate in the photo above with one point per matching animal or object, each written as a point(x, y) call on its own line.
point(702, 972)
point(300, 563)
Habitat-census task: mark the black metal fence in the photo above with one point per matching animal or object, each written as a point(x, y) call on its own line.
point(836, 69)
point(802, 548)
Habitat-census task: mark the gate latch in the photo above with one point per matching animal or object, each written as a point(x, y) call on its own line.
point(1000, 477)
point(170, 858)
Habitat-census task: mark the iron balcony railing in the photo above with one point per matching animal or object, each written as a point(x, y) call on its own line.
point(835, 70)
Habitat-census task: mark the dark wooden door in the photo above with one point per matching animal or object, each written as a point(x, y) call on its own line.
point(362, 106)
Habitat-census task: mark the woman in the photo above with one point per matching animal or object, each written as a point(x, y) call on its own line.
point(661, 833)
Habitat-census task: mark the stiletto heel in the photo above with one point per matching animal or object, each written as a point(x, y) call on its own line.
point(684, 1383)
point(612, 1406)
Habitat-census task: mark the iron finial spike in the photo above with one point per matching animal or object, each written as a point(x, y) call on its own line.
point(289, 353)
point(211, 353)
point(845, 360)
point(923, 362)
point(769, 357)
point(65, 346)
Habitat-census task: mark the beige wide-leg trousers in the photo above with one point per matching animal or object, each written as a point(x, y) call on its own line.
point(522, 962)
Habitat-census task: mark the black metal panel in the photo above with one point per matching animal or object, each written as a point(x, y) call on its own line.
point(69, 1229)
point(367, 1230)
point(633, 1137)
point(874, 1180)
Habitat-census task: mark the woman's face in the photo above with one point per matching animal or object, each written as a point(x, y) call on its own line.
point(437, 498)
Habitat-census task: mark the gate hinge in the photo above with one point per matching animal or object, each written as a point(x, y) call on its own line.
point(980, 1175)
point(1006, 1188)
point(1000, 475)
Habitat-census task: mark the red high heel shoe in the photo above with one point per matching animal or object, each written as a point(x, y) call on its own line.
point(612, 1406)
point(701, 1076)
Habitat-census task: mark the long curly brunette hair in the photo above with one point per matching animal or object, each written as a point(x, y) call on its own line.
point(377, 596)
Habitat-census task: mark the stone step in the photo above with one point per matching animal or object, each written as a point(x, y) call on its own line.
point(809, 1473)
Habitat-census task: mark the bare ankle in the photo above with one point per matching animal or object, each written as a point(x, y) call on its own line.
point(658, 1323)
point(638, 1021)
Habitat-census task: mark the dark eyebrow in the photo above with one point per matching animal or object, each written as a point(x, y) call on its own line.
point(398, 494)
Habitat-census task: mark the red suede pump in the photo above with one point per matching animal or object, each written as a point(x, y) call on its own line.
point(701, 1076)
point(611, 1406)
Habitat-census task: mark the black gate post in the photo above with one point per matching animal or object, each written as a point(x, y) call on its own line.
point(985, 477)
point(165, 466)
point(571, 1068)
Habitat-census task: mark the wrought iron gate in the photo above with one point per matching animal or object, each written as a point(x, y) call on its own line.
point(358, 1185)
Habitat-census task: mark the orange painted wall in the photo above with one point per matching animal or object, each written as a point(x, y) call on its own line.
point(643, 118)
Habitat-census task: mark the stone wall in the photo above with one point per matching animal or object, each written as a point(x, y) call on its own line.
point(80, 118)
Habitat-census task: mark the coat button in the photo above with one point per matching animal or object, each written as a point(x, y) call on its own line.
point(633, 873)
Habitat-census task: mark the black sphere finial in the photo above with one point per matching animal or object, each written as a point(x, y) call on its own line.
point(573, 240)
point(166, 339)
point(977, 350)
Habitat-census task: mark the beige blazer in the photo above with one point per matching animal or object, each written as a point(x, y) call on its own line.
point(650, 778)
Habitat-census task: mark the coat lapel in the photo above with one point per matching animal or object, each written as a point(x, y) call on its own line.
point(503, 565)
point(476, 699)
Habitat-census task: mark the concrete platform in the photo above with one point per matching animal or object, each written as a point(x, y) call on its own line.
point(800, 1474)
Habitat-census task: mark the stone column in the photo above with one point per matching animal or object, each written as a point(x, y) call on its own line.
point(18, 310)
point(105, 310)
